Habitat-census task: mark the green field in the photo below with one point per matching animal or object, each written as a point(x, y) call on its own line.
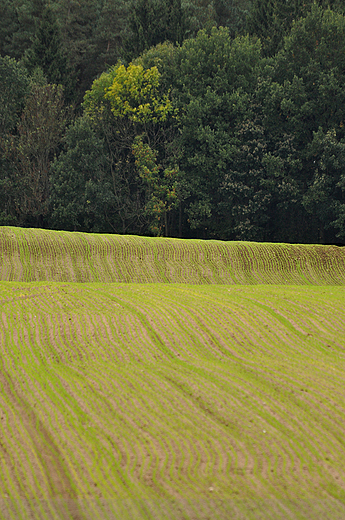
point(32, 255)
point(217, 393)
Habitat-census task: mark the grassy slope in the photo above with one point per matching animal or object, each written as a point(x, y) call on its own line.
point(171, 401)
point(35, 255)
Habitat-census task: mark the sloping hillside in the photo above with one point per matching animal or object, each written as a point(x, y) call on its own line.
point(36, 255)
point(170, 401)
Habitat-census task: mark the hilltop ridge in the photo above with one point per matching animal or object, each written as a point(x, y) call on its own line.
point(31, 255)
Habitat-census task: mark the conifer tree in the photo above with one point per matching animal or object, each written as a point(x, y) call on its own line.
point(271, 20)
point(18, 21)
point(154, 21)
point(46, 51)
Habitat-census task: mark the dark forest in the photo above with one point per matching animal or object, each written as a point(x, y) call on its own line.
point(217, 120)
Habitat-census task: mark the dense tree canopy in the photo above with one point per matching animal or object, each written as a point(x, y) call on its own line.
point(14, 88)
point(303, 101)
point(219, 119)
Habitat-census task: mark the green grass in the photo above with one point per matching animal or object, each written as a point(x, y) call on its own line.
point(177, 401)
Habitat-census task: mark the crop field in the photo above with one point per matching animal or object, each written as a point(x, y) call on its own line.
point(218, 397)
point(33, 255)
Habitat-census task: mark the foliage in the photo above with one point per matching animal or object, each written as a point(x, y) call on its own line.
point(38, 137)
point(80, 195)
point(18, 23)
point(46, 51)
point(124, 103)
point(129, 92)
point(325, 196)
point(163, 186)
point(216, 78)
point(247, 194)
point(154, 21)
point(118, 134)
point(134, 93)
point(109, 33)
point(91, 33)
point(205, 14)
point(14, 86)
point(303, 102)
point(247, 136)
point(272, 20)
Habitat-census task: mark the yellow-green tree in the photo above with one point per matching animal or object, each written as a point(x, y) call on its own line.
point(132, 92)
point(124, 103)
point(135, 93)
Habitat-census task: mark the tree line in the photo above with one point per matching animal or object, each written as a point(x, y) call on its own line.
point(216, 120)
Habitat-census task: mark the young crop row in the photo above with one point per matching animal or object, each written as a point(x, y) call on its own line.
point(36, 255)
point(151, 401)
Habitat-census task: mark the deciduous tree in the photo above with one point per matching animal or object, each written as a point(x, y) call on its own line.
point(303, 97)
point(216, 78)
point(14, 88)
point(39, 135)
point(162, 184)
point(81, 198)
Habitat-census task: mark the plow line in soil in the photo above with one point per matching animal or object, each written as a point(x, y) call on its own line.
point(30, 255)
point(174, 401)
